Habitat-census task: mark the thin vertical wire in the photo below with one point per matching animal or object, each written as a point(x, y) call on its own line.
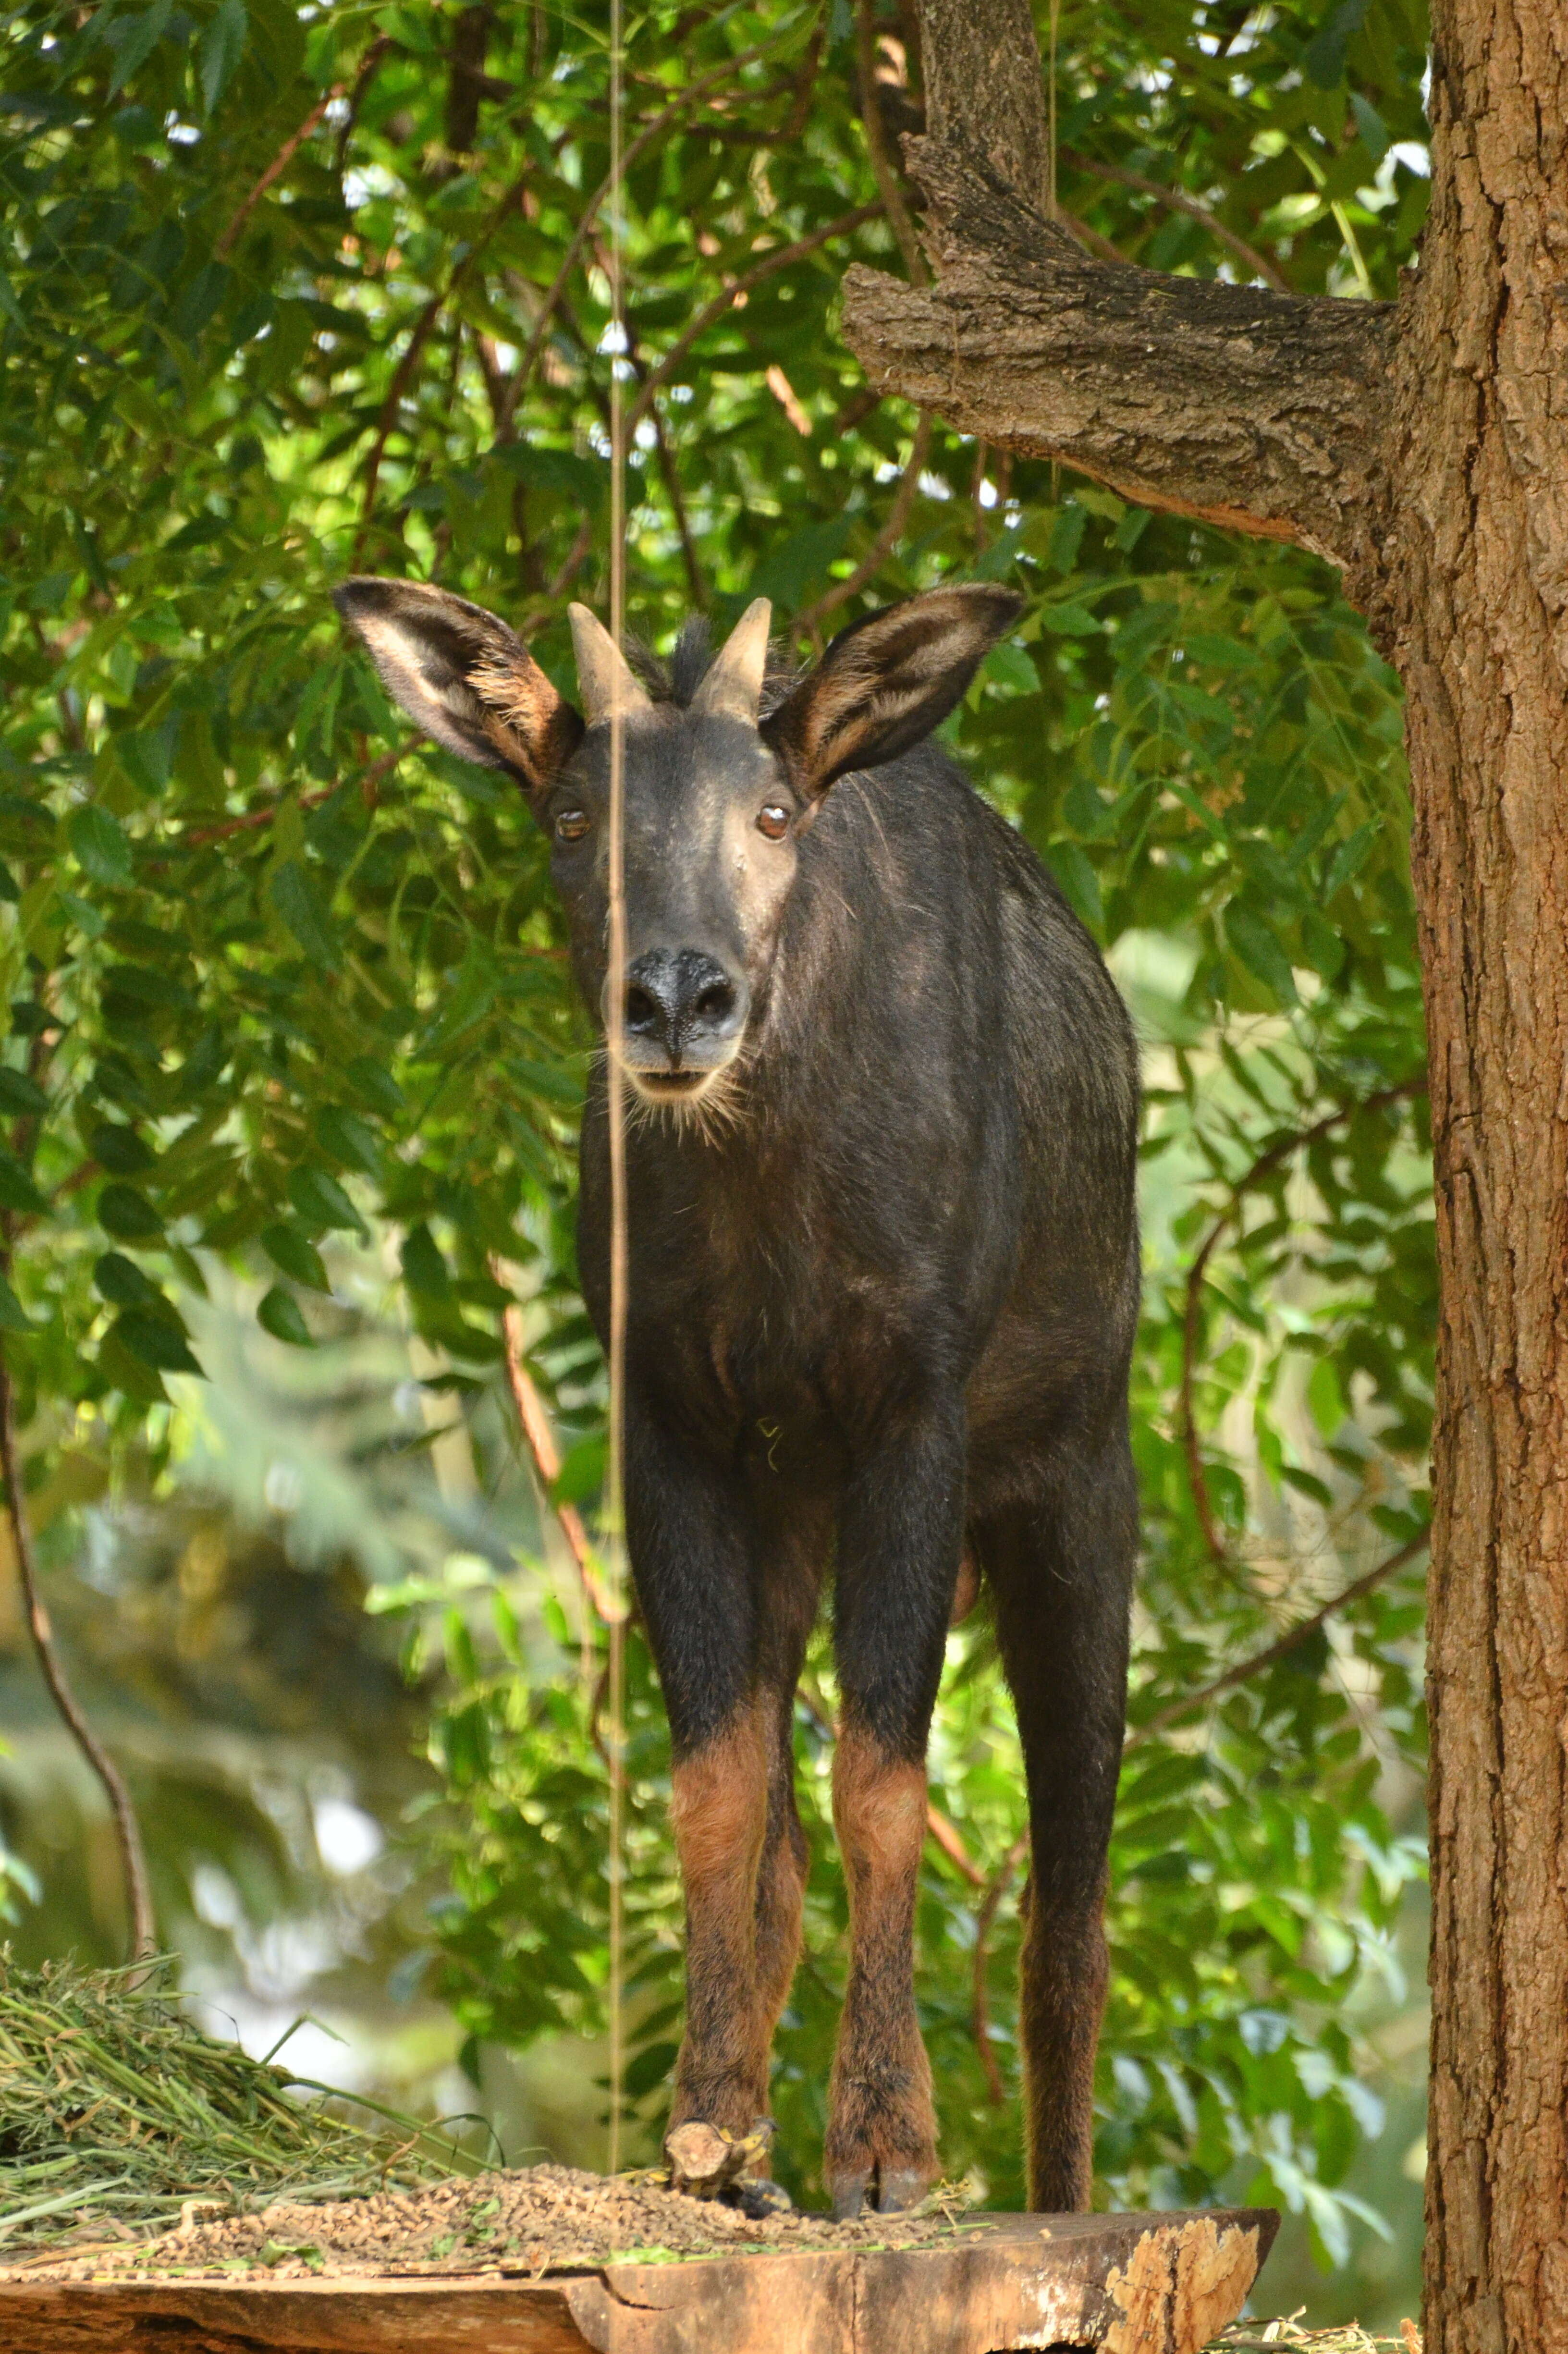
point(614, 1470)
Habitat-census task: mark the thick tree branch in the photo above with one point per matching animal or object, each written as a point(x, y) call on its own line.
point(984, 90)
point(1249, 409)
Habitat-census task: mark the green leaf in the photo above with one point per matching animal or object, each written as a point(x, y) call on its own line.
point(299, 901)
point(20, 1094)
point(424, 1268)
point(296, 1255)
point(1324, 56)
point(321, 1202)
point(1067, 537)
point(1009, 666)
point(155, 1340)
point(14, 1317)
point(799, 562)
point(134, 39)
point(99, 845)
point(121, 1281)
point(220, 49)
point(17, 1190)
point(376, 1086)
point(128, 1216)
point(119, 1150)
point(279, 1313)
point(347, 1138)
point(1257, 945)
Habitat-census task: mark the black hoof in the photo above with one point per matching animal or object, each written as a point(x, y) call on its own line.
point(898, 2191)
point(848, 2191)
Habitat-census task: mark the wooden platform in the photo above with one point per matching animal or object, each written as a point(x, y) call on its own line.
point(1121, 2283)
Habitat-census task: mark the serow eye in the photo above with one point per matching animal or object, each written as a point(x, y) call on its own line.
point(773, 819)
point(571, 825)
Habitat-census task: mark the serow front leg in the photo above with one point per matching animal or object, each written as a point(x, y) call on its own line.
point(692, 1557)
point(900, 1539)
point(719, 1812)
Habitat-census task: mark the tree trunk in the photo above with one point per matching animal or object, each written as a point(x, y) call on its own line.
point(1478, 574)
point(1424, 448)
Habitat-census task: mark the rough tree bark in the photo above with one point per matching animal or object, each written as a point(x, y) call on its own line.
point(1423, 446)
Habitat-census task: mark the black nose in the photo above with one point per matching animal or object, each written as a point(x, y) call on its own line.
point(682, 1000)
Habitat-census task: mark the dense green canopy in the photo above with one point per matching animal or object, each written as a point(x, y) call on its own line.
point(291, 291)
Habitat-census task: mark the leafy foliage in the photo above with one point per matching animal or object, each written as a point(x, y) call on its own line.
point(294, 291)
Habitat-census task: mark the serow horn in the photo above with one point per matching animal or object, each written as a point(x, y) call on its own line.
point(605, 680)
point(734, 683)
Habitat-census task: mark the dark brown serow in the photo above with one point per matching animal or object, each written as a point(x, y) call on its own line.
point(882, 1285)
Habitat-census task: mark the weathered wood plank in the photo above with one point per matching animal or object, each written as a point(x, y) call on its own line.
point(1117, 2284)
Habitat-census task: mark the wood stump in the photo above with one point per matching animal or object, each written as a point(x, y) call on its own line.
point(1120, 2283)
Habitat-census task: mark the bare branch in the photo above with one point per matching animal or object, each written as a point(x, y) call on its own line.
point(547, 1464)
point(1283, 1147)
point(127, 1830)
point(779, 258)
point(979, 2007)
point(636, 148)
point(1260, 1660)
point(882, 163)
point(369, 779)
point(887, 539)
point(292, 145)
point(1177, 200)
point(1244, 407)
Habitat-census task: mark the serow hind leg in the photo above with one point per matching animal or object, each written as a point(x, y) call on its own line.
point(1061, 1574)
point(901, 1534)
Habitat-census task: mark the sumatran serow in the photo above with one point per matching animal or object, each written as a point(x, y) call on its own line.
point(883, 1280)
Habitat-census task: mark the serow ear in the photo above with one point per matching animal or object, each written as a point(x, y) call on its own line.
point(463, 677)
point(887, 680)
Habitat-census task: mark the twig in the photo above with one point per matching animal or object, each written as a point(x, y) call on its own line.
point(876, 146)
point(369, 779)
point(1088, 236)
point(291, 146)
point(127, 1830)
point(1179, 201)
point(547, 1464)
point(778, 258)
point(887, 539)
point(941, 1826)
point(980, 2011)
point(946, 1834)
point(1269, 1159)
point(575, 557)
point(636, 148)
point(670, 473)
point(1255, 1665)
point(401, 377)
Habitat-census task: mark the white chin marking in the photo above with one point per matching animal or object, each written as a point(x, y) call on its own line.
point(710, 1101)
point(688, 1087)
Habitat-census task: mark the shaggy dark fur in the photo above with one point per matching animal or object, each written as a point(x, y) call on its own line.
point(884, 1279)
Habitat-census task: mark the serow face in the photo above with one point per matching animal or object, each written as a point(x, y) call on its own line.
point(715, 795)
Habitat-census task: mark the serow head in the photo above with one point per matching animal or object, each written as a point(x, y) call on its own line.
point(723, 773)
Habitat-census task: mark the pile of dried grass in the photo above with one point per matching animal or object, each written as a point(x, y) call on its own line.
point(114, 2110)
point(1290, 2337)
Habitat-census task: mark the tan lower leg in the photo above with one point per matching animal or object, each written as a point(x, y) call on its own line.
point(880, 2117)
point(719, 1812)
